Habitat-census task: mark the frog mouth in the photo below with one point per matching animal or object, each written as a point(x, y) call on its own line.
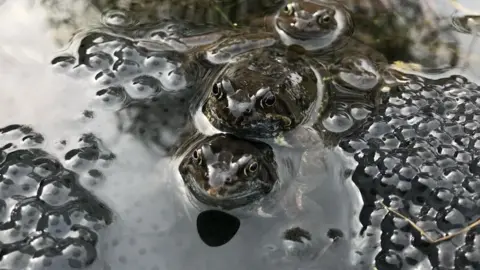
point(285, 28)
point(317, 39)
point(209, 197)
point(309, 40)
point(269, 125)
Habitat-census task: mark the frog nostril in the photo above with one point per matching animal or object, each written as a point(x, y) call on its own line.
point(230, 181)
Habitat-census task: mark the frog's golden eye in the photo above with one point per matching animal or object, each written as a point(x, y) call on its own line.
point(251, 169)
point(324, 19)
point(288, 9)
point(197, 156)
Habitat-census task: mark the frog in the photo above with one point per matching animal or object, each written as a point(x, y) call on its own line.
point(409, 32)
point(263, 93)
point(228, 172)
point(314, 25)
point(350, 74)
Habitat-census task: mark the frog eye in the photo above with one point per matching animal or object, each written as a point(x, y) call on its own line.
point(217, 90)
point(348, 64)
point(251, 168)
point(288, 9)
point(324, 19)
point(197, 156)
point(268, 101)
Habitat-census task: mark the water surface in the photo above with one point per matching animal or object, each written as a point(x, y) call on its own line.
point(152, 230)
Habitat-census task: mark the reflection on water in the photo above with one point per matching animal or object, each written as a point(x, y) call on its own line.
point(88, 178)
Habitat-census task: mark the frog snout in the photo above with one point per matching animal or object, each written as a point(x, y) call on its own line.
point(222, 176)
point(304, 20)
point(240, 104)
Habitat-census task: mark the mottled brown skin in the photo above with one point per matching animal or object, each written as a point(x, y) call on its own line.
point(319, 21)
point(257, 96)
point(228, 172)
point(355, 75)
point(401, 30)
point(323, 29)
point(313, 25)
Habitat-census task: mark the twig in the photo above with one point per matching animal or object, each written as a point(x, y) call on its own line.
point(219, 10)
point(422, 232)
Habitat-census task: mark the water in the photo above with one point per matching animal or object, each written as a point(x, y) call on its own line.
point(418, 162)
point(152, 228)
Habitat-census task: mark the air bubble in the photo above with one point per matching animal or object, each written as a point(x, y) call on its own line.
point(360, 113)
point(174, 80)
point(116, 18)
point(125, 68)
point(339, 122)
point(105, 77)
point(143, 86)
point(111, 97)
point(99, 61)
